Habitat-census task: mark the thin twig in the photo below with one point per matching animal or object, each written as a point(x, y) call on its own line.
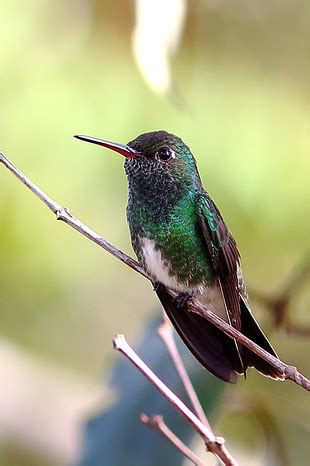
point(214, 444)
point(289, 372)
point(165, 331)
point(157, 423)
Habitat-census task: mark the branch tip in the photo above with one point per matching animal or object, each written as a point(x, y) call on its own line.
point(144, 418)
point(165, 328)
point(119, 341)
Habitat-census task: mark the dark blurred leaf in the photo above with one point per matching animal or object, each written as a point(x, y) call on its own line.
point(117, 437)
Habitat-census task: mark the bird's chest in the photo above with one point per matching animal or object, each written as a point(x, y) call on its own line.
point(175, 262)
point(159, 266)
point(170, 247)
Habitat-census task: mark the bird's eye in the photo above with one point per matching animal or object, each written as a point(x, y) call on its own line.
point(165, 153)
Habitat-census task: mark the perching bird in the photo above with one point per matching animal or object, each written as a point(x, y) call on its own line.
point(182, 241)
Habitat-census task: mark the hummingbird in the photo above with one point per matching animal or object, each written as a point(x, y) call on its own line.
point(182, 241)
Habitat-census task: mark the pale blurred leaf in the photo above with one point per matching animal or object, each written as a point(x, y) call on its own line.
point(157, 32)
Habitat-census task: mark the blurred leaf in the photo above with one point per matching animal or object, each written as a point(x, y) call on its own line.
point(157, 33)
point(117, 437)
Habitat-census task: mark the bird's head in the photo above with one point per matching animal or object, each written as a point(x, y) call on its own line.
point(157, 161)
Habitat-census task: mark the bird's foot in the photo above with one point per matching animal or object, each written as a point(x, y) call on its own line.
point(157, 286)
point(182, 299)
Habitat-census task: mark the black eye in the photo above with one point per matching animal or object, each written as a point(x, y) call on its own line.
point(165, 153)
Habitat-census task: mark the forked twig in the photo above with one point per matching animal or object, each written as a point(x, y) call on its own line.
point(213, 443)
point(165, 331)
point(157, 423)
point(289, 372)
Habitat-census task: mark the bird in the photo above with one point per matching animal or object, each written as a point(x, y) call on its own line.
point(183, 243)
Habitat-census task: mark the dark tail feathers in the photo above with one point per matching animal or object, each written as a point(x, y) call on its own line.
point(214, 349)
point(251, 329)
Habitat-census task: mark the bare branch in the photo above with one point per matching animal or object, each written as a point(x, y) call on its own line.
point(157, 423)
point(165, 331)
point(214, 444)
point(63, 214)
point(289, 372)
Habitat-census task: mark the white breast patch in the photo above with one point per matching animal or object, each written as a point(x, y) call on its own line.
point(157, 267)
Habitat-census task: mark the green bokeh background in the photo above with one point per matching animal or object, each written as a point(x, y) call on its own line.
point(243, 75)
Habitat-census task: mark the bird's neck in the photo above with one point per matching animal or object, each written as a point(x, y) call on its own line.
point(152, 203)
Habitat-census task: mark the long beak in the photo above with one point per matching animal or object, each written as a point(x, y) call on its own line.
point(125, 150)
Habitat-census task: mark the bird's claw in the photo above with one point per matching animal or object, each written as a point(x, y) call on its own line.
point(181, 300)
point(157, 286)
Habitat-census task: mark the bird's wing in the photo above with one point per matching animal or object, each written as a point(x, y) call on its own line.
point(223, 254)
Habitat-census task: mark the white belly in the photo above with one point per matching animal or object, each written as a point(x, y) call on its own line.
point(158, 267)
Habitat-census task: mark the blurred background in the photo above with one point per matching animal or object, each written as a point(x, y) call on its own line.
point(232, 79)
